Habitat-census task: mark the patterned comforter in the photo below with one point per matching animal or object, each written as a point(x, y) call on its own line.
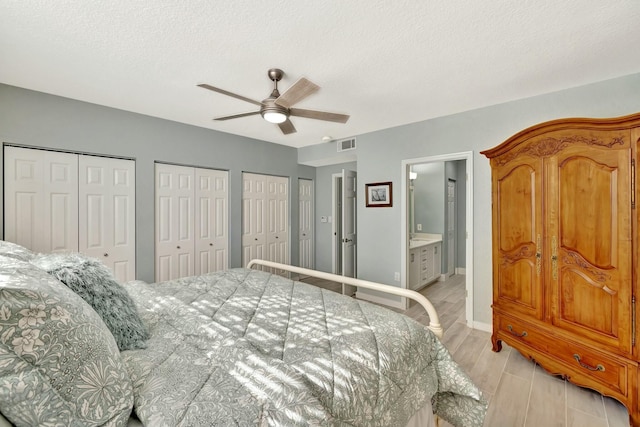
point(244, 347)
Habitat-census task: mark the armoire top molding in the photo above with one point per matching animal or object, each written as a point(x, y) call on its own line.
point(615, 123)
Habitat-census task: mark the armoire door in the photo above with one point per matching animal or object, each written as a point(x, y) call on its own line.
point(106, 199)
point(518, 235)
point(305, 223)
point(174, 222)
point(41, 199)
point(211, 222)
point(589, 238)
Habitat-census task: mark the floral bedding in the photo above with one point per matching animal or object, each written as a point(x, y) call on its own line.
point(239, 347)
point(245, 347)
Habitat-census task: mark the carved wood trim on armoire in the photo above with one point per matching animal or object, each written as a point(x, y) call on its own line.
point(565, 251)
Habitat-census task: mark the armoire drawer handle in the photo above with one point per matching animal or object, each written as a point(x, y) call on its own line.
point(177, 247)
point(522, 335)
point(598, 367)
point(106, 254)
point(210, 244)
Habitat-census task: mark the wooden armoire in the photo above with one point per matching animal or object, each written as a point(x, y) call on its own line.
point(565, 258)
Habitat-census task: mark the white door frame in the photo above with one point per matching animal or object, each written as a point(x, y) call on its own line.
point(404, 229)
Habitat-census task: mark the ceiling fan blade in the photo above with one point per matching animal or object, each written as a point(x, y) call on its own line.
point(319, 115)
point(235, 116)
point(287, 127)
point(297, 92)
point(226, 92)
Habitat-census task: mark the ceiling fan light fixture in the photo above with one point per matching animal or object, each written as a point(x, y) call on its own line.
point(274, 116)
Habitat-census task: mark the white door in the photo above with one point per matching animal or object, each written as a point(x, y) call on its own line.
point(106, 201)
point(174, 222)
point(451, 228)
point(41, 199)
point(254, 232)
point(278, 220)
point(305, 223)
point(211, 220)
point(349, 241)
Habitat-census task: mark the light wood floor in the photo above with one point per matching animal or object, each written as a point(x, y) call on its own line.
point(519, 392)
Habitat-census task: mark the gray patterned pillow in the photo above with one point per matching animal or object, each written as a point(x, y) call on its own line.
point(59, 364)
point(93, 281)
point(16, 251)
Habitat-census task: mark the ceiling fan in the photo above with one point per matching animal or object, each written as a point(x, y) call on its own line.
point(278, 108)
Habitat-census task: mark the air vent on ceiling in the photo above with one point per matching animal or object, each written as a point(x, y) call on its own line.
point(347, 144)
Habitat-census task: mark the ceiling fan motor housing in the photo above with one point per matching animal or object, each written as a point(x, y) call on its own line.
point(273, 112)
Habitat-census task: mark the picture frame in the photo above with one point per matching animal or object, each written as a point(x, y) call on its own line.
point(379, 195)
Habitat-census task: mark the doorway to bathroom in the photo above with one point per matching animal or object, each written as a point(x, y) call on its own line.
point(437, 206)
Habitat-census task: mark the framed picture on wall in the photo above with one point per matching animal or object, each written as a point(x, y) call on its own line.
point(379, 195)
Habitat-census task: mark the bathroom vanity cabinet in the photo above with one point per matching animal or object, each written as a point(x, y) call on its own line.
point(425, 258)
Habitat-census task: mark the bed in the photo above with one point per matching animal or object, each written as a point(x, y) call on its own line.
point(238, 347)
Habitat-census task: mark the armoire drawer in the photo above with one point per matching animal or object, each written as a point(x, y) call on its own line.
point(597, 366)
point(608, 370)
point(520, 331)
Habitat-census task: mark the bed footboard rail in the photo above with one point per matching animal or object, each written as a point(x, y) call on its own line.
point(434, 321)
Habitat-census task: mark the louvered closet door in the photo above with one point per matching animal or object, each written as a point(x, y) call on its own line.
point(254, 231)
point(107, 213)
point(211, 220)
point(174, 221)
point(41, 199)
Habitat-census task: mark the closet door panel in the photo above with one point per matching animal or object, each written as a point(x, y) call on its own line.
point(41, 199)
point(174, 222)
point(305, 223)
point(107, 213)
point(254, 221)
point(211, 243)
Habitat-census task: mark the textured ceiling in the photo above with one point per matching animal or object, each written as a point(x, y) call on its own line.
point(386, 63)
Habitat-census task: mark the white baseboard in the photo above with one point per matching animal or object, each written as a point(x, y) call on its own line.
point(481, 326)
point(380, 300)
point(461, 270)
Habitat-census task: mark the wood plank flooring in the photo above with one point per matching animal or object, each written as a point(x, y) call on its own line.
point(520, 393)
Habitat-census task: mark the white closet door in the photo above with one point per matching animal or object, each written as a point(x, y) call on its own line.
point(305, 223)
point(211, 220)
point(278, 218)
point(174, 222)
point(107, 213)
point(254, 232)
point(41, 199)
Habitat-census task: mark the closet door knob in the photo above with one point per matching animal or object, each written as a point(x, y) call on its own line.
point(106, 254)
point(178, 247)
point(210, 244)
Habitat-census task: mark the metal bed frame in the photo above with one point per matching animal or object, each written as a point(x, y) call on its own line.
point(434, 321)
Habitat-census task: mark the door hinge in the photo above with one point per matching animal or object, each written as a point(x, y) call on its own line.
point(633, 321)
point(633, 183)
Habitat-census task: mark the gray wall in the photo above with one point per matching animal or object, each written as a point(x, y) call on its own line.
point(40, 120)
point(380, 155)
point(324, 206)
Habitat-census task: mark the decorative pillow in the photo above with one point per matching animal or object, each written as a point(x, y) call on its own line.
point(92, 280)
point(59, 364)
point(16, 251)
